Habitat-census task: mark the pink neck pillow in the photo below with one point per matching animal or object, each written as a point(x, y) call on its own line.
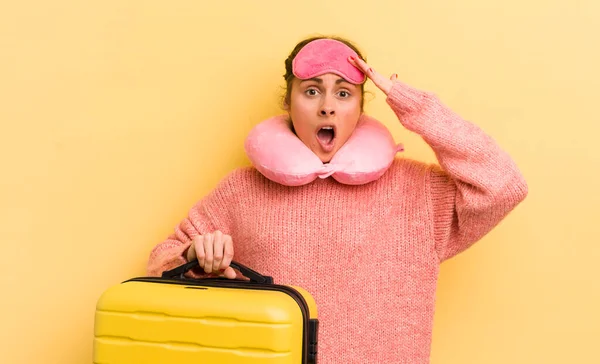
point(277, 153)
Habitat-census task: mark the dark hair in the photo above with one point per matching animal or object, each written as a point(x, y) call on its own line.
point(289, 75)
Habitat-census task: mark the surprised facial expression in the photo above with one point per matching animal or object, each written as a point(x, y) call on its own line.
point(324, 111)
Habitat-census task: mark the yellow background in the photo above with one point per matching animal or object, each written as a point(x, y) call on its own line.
point(118, 115)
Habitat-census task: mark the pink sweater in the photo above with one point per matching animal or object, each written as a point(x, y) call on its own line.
point(369, 254)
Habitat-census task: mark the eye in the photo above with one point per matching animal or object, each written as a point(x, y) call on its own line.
point(344, 94)
point(311, 92)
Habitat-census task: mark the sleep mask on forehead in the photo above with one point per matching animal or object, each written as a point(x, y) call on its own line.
point(327, 56)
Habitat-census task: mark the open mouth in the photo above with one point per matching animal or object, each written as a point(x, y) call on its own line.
point(326, 136)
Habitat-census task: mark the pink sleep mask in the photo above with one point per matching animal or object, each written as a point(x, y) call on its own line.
point(327, 56)
point(277, 153)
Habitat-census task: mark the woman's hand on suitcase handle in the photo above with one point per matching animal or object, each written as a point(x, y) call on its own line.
point(214, 252)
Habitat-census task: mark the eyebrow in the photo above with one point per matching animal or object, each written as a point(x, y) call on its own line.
point(320, 81)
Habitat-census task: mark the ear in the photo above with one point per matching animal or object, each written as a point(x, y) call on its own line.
point(286, 105)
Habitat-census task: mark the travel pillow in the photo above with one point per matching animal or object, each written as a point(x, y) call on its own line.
point(277, 153)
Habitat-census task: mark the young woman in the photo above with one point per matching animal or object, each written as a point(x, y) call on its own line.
point(367, 244)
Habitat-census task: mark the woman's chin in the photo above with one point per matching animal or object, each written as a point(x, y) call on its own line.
point(325, 159)
point(325, 156)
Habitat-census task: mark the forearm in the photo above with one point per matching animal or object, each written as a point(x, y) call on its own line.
point(478, 183)
point(463, 150)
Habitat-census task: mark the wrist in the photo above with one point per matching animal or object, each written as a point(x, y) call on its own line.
point(405, 99)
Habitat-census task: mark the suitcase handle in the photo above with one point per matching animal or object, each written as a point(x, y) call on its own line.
point(254, 276)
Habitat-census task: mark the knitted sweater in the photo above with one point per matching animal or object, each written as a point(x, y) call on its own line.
point(369, 254)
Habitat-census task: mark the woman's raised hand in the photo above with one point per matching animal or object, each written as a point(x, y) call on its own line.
point(383, 83)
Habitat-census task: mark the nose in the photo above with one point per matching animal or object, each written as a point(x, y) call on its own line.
point(327, 111)
point(327, 107)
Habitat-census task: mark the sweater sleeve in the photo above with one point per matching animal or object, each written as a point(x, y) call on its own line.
point(475, 186)
point(207, 215)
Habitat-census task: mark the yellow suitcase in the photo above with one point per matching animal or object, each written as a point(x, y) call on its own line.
point(172, 319)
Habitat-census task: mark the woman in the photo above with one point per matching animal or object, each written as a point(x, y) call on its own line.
point(368, 252)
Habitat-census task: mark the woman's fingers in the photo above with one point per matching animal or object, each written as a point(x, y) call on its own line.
point(227, 252)
point(229, 273)
point(208, 251)
point(198, 243)
point(214, 252)
point(218, 247)
point(381, 82)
